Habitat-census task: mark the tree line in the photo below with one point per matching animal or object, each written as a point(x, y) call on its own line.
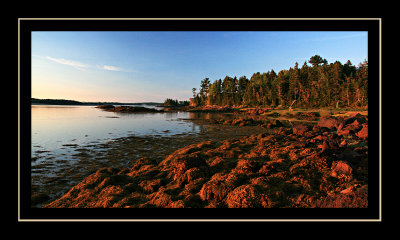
point(316, 85)
point(172, 102)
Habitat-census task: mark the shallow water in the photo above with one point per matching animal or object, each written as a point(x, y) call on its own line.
point(57, 130)
point(71, 142)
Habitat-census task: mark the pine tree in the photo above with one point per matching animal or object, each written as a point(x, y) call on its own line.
point(316, 60)
point(319, 85)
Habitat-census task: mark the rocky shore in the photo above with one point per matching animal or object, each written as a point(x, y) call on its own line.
point(128, 109)
point(321, 165)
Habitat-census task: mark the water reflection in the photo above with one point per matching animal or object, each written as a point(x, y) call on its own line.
point(56, 129)
point(210, 116)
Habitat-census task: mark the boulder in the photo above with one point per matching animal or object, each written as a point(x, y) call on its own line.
point(160, 198)
point(355, 117)
point(346, 129)
point(363, 133)
point(341, 168)
point(246, 166)
point(215, 190)
point(330, 122)
point(246, 196)
point(186, 168)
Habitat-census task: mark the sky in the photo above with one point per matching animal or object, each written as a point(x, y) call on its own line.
point(147, 66)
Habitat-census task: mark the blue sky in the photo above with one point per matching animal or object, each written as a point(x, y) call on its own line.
point(152, 66)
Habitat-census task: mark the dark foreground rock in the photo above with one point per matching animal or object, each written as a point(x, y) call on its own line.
point(303, 166)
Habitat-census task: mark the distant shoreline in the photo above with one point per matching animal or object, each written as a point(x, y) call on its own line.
point(35, 101)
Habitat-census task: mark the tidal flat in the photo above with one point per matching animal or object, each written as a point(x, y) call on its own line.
point(51, 179)
point(279, 159)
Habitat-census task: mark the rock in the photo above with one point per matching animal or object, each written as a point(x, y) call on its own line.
point(330, 122)
point(241, 122)
point(227, 122)
point(160, 198)
point(186, 168)
point(310, 116)
point(354, 126)
point(195, 173)
point(279, 168)
point(340, 127)
point(142, 162)
point(129, 109)
point(324, 146)
point(106, 107)
point(348, 199)
point(317, 129)
point(348, 190)
point(319, 138)
point(363, 133)
point(246, 196)
point(341, 168)
point(151, 185)
point(246, 166)
point(215, 190)
point(345, 132)
point(277, 123)
point(301, 129)
point(355, 117)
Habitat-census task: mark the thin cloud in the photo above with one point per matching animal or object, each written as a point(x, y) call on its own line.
point(71, 63)
point(83, 66)
point(112, 68)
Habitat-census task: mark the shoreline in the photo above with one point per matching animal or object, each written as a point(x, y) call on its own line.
point(217, 139)
point(117, 152)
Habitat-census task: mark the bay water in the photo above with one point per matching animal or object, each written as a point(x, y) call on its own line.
point(57, 130)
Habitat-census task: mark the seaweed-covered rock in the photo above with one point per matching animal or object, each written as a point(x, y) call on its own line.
point(363, 133)
point(348, 199)
point(301, 129)
point(282, 168)
point(216, 189)
point(128, 109)
point(246, 196)
point(106, 107)
point(330, 122)
point(341, 168)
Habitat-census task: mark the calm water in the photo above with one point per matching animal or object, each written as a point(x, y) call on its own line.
point(58, 130)
point(62, 135)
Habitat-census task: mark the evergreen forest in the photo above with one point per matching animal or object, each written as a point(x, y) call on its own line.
point(316, 84)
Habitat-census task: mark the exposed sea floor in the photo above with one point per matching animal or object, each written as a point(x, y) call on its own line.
point(53, 175)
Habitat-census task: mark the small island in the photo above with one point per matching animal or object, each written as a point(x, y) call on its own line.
point(128, 109)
